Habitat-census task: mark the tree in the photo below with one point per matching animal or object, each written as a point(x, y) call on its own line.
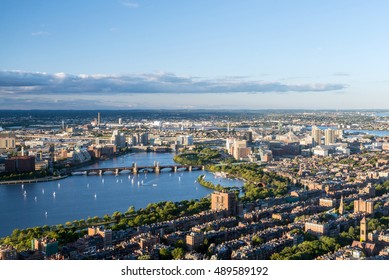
point(165, 254)
point(144, 257)
point(130, 210)
point(374, 224)
point(180, 244)
point(107, 218)
point(117, 215)
point(178, 253)
point(351, 232)
point(256, 240)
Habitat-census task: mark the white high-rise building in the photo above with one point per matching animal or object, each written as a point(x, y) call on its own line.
point(316, 136)
point(118, 139)
point(329, 137)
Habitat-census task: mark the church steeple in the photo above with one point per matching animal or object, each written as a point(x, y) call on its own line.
point(341, 206)
point(363, 230)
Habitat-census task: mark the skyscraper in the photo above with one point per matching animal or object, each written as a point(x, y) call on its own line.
point(98, 118)
point(329, 136)
point(316, 136)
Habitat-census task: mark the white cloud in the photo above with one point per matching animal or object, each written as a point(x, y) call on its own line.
point(40, 33)
point(341, 74)
point(130, 4)
point(60, 83)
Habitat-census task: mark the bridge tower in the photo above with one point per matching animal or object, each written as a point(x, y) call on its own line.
point(157, 169)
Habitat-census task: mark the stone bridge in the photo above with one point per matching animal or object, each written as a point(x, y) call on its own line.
point(134, 169)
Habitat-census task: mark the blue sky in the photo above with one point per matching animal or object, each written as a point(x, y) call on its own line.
point(252, 54)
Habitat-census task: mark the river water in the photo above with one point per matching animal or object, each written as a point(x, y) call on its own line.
point(80, 197)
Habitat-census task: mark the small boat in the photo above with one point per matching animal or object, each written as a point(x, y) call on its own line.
point(138, 183)
point(46, 214)
point(132, 181)
point(22, 186)
point(24, 193)
point(87, 185)
point(95, 195)
point(54, 194)
point(154, 185)
point(35, 198)
point(142, 182)
point(43, 191)
point(195, 181)
point(102, 181)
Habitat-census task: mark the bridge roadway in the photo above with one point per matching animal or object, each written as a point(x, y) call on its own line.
point(137, 169)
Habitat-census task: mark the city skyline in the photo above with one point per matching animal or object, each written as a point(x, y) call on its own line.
point(193, 55)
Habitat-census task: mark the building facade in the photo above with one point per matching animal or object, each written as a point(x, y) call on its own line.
point(224, 201)
point(364, 206)
point(7, 141)
point(20, 164)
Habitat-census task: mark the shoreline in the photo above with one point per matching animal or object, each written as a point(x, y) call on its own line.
point(31, 181)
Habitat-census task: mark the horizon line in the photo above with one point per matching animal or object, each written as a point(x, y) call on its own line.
point(199, 109)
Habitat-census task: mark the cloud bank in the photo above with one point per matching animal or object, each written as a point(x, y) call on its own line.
point(19, 82)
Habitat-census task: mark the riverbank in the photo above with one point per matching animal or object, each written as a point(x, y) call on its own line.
point(81, 197)
point(31, 181)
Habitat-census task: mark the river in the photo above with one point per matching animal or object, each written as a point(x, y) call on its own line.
point(80, 197)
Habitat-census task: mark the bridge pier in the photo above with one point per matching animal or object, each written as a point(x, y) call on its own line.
point(190, 168)
point(175, 169)
point(157, 169)
point(100, 172)
point(134, 168)
point(116, 171)
point(203, 167)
